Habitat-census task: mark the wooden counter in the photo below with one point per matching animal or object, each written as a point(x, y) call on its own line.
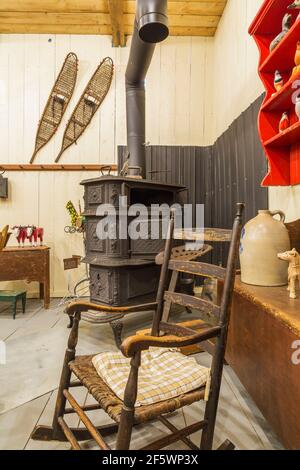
point(264, 326)
point(27, 264)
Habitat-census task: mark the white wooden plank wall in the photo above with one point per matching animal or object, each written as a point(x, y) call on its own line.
point(195, 88)
point(28, 66)
point(235, 63)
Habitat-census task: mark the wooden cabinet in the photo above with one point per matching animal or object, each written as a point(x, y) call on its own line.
point(27, 264)
point(263, 349)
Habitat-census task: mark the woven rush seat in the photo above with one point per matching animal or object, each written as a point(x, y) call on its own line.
point(84, 370)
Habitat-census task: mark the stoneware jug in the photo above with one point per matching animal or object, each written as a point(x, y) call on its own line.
point(262, 239)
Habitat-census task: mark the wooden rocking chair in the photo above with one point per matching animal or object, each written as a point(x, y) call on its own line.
point(162, 335)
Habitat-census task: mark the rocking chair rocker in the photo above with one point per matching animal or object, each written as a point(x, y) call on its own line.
point(162, 335)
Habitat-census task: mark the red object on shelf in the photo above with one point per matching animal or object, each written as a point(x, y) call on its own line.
point(282, 148)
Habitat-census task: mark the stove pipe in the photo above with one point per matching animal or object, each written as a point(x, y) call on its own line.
point(150, 27)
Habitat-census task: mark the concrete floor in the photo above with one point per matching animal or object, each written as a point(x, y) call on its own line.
point(35, 344)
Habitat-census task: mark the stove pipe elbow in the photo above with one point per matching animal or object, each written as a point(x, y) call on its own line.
point(150, 27)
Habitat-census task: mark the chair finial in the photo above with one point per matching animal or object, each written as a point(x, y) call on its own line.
point(240, 209)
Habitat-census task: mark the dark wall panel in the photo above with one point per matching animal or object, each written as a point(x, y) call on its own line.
point(239, 166)
point(189, 166)
point(217, 176)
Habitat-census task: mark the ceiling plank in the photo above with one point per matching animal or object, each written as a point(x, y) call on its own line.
point(203, 8)
point(100, 6)
point(27, 28)
point(55, 6)
point(55, 18)
point(94, 29)
point(192, 31)
point(116, 19)
point(189, 7)
point(186, 17)
point(117, 22)
point(193, 20)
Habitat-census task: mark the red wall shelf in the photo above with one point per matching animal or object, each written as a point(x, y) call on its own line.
point(282, 57)
point(282, 149)
point(281, 101)
point(289, 137)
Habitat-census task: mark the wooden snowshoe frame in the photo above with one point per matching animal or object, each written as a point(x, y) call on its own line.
point(57, 103)
point(89, 102)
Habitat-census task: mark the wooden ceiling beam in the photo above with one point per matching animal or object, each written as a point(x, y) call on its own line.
point(116, 11)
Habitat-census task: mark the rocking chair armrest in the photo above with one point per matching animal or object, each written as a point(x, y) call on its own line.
point(141, 342)
point(81, 306)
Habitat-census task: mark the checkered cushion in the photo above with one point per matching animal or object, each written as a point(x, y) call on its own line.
point(163, 374)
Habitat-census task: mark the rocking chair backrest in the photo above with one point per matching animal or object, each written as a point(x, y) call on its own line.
point(228, 288)
point(183, 254)
point(221, 342)
point(163, 276)
point(225, 275)
point(222, 311)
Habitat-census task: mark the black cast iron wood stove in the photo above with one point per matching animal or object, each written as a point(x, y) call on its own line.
point(123, 272)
